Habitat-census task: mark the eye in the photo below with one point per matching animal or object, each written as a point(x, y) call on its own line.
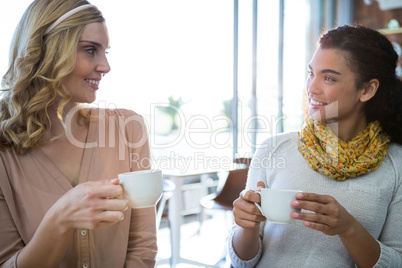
point(329, 79)
point(91, 50)
point(310, 72)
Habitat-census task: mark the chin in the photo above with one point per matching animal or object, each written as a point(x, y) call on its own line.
point(317, 115)
point(326, 113)
point(89, 99)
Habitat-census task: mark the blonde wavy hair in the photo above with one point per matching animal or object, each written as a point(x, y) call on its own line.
point(37, 67)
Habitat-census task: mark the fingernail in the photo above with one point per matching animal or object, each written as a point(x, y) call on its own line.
point(307, 223)
point(296, 203)
point(122, 217)
point(300, 195)
point(296, 215)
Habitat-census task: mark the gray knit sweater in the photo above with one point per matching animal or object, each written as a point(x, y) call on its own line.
point(374, 199)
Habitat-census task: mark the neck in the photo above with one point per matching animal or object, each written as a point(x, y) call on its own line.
point(346, 131)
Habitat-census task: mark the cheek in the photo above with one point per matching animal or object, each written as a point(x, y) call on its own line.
point(68, 81)
point(83, 67)
point(333, 94)
point(308, 84)
point(80, 71)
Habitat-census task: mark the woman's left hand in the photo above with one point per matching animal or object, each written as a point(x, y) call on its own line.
point(329, 217)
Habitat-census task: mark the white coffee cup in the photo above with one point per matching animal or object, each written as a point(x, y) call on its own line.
point(276, 204)
point(142, 188)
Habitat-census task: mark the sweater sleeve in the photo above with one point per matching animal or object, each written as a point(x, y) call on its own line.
point(142, 245)
point(390, 239)
point(11, 242)
point(256, 173)
point(236, 261)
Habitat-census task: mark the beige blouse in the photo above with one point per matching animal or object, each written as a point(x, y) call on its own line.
point(30, 184)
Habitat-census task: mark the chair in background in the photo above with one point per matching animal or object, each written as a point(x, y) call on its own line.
point(225, 195)
point(168, 188)
point(161, 210)
point(235, 182)
point(243, 160)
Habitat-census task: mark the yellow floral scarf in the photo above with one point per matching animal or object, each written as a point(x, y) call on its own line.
point(330, 156)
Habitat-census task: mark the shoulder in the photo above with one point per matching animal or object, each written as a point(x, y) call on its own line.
point(95, 112)
point(395, 150)
point(123, 119)
point(395, 156)
point(119, 116)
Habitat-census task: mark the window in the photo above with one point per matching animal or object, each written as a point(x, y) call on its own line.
point(183, 49)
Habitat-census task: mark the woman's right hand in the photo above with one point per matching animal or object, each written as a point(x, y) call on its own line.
point(246, 214)
point(91, 205)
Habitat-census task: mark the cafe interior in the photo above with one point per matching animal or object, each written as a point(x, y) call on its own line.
point(213, 79)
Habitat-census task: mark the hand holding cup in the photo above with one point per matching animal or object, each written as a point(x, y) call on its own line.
point(142, 189)
point(276, 204)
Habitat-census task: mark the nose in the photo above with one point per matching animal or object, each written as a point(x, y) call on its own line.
point(103, 66)
point(312, 86)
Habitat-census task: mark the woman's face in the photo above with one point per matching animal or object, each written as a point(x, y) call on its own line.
point(331, 89)
point(91, 64)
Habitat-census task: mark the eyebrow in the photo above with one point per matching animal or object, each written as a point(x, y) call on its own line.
point(326, 70)
point(93, 43)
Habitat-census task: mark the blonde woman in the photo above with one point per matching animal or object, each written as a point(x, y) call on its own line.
point(60, 204)
point(346, 159)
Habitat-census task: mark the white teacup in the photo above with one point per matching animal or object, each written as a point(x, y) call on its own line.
point(142, 188)
point(275, 204)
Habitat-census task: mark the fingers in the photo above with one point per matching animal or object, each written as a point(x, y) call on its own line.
point(115, 205)
point(328, 215)
point(323, 223)
point(324, 199)
point(112, 216)
point(260, 184)
point(114, 181)
point(102, 213)
point(102, 189)
point(97, 204)
point(246, 214)
point(320, 204)
point(246, 219)
point(311, 217)
point(250, 196)
point(101, 219)
point(111, 191)
point(108, 191)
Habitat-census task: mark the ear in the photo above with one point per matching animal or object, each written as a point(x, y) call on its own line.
point(369, 90)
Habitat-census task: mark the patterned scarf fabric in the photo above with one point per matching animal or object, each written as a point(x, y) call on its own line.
point(330, 156)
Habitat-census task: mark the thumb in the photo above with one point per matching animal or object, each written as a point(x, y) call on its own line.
point(114, 181)
point(260, 185)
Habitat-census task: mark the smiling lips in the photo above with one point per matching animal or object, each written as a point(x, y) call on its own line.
point(92, 82)
point(314, 102)
point(316, 105)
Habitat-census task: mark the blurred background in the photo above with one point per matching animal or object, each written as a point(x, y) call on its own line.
point(216, 77)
